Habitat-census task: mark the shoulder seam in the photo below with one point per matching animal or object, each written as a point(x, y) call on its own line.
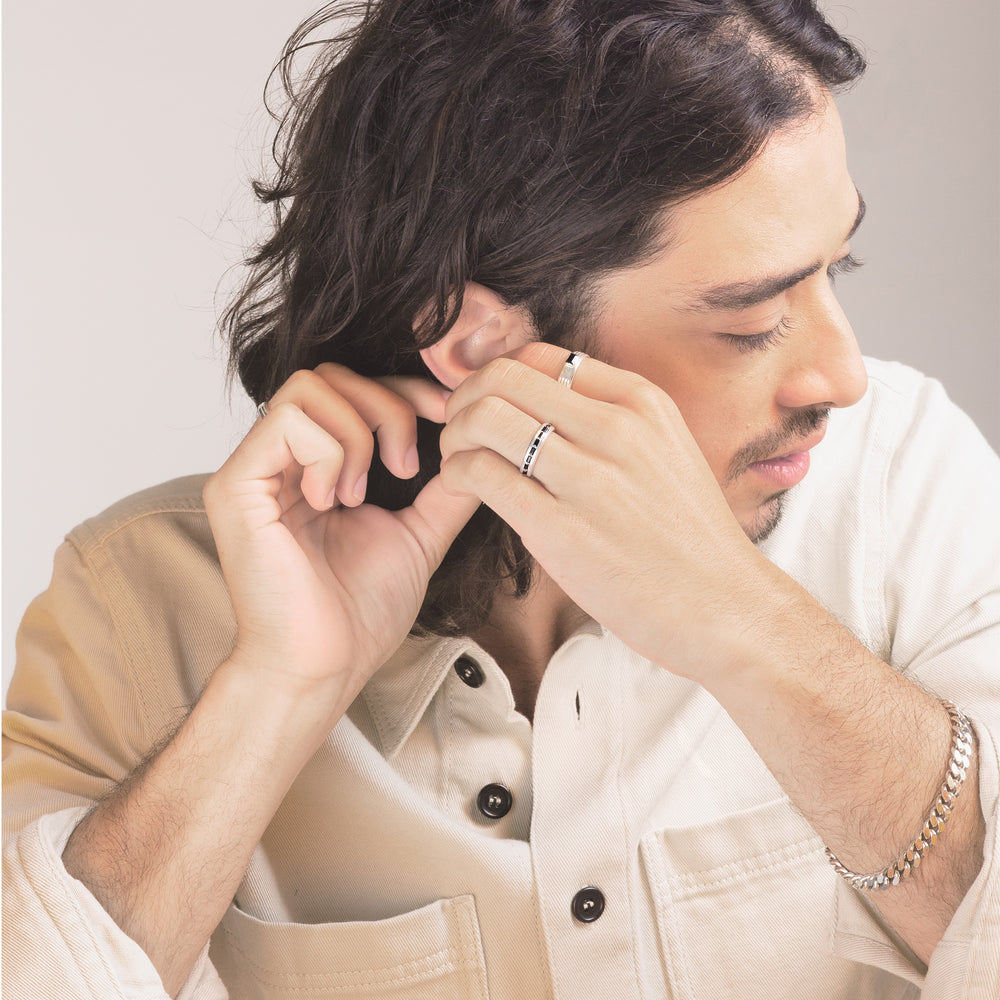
point(127, 654)
point(86, 538)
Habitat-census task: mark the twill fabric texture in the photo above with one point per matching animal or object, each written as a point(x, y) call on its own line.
point(381, 876)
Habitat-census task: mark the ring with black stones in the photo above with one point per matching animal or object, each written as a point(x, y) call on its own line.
point(569, 369)
point(531, 455)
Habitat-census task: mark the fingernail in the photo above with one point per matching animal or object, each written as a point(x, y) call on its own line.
point(412, 461)
point(361, 487)
point(331, 499)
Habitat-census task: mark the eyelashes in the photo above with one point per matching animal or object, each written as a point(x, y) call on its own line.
point(747, 343)
point(846, 265)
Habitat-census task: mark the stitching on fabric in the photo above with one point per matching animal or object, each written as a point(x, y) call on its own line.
point(738, 870)
point(449, 750)
point(470, 947)
point(629, 875)
point(177, 506)
point(126, 652)
point(425, 689)
point(445, 959)
point(377, 715)
point(664, 900)
point(540, 931)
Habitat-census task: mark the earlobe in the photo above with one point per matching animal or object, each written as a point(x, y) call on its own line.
point(485, 329)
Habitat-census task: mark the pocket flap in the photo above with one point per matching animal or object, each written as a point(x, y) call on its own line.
point(431, 952)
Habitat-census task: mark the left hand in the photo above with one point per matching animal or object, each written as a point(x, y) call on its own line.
point(623, 511)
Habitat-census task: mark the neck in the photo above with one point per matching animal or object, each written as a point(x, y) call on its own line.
point(523, 634)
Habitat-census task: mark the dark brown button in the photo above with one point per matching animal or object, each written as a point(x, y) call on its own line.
point(494, 801)
point(470, 671)
point(588, 904)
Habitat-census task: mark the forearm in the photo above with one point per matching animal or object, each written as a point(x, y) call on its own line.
point(861, 751)
point(165, 853)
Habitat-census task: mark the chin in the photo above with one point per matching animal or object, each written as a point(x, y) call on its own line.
point(764, 519)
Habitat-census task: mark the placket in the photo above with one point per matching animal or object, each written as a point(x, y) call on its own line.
point(580, 839)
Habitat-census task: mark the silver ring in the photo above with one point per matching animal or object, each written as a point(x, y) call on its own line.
point(569, 369)
point(261, 410)
point(527, 466)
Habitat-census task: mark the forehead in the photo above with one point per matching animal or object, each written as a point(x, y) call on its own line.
point(782, 212)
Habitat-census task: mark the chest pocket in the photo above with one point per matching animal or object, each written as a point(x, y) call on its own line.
point(746, 907)
point(429, 953)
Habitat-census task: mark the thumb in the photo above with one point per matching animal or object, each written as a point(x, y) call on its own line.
point(437, 517)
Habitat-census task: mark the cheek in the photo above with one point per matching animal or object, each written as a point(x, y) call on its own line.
point(723, 408)
point(720, 420)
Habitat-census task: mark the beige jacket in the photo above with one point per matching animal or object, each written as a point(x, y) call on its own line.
point(381, 876)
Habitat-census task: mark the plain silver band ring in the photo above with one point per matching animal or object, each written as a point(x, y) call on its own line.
point(261, 410)
point(527, 466)
point(568, 372)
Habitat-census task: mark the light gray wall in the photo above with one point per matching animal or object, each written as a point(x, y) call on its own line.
point(130, 129)
point(923, 131)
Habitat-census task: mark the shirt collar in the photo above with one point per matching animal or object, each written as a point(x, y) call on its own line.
point(400, 691)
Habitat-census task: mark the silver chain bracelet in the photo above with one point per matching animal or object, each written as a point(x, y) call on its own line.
point(958, 762)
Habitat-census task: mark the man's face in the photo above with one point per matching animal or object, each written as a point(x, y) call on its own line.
point(737, 321)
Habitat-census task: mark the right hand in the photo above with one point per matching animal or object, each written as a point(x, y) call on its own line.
point(324, 586)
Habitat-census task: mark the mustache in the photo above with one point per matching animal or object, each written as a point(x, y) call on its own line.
point(797, 425)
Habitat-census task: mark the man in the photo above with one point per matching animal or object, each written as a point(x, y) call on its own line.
point(709, 587)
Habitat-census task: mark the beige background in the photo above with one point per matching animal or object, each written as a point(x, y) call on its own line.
point(129, 132)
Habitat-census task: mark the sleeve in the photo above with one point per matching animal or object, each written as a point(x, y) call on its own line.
point(76, 725)
point(940, 560)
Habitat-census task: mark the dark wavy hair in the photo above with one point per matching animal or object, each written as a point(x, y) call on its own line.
point(532, 146)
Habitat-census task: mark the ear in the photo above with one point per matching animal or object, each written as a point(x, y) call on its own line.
point(486, 328)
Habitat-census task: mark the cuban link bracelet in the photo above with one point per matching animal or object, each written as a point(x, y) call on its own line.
point(958, 762)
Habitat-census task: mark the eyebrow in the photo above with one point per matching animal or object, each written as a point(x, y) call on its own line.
point(743, 294)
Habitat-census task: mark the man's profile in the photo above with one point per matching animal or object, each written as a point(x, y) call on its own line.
point(583, 614)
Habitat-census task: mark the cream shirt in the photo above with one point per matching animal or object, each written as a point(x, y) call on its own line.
point(380, 875)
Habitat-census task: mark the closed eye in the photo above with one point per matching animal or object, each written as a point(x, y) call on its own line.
point(747, 342)
point(846, 265)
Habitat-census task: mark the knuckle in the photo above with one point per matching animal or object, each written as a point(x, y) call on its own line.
point(300, 380)
point(502, 370)
point(395, 407)
point(335, 452)
point(621, 427)
point(486, 410)
point(640, 389)
point(480, 465)
point(284, 409)
point(328, 370)
point(541, 356)
point(211, 489)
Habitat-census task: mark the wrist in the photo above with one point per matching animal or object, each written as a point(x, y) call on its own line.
point(290, 714)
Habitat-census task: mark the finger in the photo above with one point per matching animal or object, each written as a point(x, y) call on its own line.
point(501, 427)
point(284, 439)
point(593, 379)
point(534, 394)
point(311, 394)
point(523, 503)
point(437, 516)
point(389, 407)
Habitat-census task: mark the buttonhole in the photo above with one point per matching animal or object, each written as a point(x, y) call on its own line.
point(577, 706)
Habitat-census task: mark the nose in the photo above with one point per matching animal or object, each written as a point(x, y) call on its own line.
point(827, 369)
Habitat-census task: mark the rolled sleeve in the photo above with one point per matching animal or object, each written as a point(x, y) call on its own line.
point(57, 939)
point(937, 553)
point(96, 687)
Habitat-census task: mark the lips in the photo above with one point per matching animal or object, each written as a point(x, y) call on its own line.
point(786, 470)
point(800, 448)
